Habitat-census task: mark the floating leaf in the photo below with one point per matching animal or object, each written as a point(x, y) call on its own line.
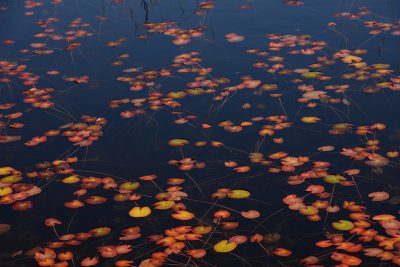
point(178, 142)
point(311, 74)
point(224, 246)
point(139, 212)
point(238, 194)
point(343, 225)
point(334, 179)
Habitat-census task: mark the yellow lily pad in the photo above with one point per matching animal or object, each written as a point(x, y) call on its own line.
point(334, 179)
point(224, 246)
point(178, 142)
point(71, 179)
point(139, 212)
point(343, 225)
point(311, 74)
point(164, 205)
point(238, 194)
point(310, 119)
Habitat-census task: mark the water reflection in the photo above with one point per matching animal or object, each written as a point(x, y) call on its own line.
point(199, 133)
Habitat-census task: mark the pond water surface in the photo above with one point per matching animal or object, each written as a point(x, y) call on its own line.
point(190, 133)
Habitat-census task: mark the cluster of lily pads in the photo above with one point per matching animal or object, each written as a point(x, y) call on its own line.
point(194, 218)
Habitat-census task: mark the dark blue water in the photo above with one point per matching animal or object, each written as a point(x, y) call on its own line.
point(130, 148)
